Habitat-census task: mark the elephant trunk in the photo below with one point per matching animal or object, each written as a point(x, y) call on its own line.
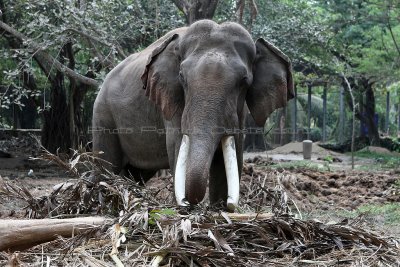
point(193, 168)
point(200, 155)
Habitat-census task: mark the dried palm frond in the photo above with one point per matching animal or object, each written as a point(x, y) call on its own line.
point(149, 232)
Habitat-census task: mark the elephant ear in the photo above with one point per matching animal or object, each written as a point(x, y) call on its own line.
point(160, 77)
point(272, 82)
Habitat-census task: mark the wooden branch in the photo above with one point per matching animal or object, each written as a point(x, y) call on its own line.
point(209, 6)
point(105, 62)
point(196, 9)
point(243, 217)
point(181, 5)
point(48, 58)
point(88, 36)
point(393, 38)
point(23, 234)
point(98, 40)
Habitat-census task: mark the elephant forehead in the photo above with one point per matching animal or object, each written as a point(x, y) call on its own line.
point(209, 35)
point(207, 28)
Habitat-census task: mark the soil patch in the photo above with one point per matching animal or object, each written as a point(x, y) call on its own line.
point(380, 150)
point(297, 148)
point(327, 190)
point(37, 176)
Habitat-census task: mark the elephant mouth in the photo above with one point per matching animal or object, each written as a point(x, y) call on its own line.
point(231, 170)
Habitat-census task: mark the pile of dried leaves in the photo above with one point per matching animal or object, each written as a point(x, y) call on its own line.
point(148, 231)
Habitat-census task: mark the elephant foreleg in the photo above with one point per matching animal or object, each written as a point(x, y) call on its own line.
point(109, 145)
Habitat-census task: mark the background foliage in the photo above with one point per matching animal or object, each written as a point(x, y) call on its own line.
point(325, 40)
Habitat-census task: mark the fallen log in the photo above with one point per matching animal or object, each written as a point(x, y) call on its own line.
point(22, 234)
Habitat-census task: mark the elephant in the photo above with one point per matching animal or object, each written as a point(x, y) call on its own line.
point(181, 104)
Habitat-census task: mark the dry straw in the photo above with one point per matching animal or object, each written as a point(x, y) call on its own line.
point(148, 230)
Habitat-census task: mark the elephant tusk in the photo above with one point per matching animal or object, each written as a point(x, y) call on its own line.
point(232, 172)
point(180, 172)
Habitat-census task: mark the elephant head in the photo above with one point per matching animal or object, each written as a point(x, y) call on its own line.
point(201, 77)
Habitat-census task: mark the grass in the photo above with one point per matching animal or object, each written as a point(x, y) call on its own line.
point(380, 217)
point(383, 161)
point(302, 164)
point(390, 212)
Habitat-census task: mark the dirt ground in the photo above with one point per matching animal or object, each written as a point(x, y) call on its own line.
point(294, 152)
point(37, 176)
point(338, 188)
point(327, 186)
point(327, 190)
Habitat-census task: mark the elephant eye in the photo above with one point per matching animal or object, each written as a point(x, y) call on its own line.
point(182, 79)
point(245, 81)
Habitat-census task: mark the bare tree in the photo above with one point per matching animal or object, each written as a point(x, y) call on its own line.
point(353, 118)
point(240, 6)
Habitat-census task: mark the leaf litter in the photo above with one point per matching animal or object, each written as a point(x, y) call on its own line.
point(149, 230)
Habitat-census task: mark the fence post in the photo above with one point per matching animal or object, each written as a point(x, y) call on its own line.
point(324, 113)
point(387, 112)
point(341, 114)
point(294, 115)
point(309, 112)
point(398, 122)
point(15, 116)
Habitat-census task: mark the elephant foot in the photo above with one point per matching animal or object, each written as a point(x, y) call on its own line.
point(140, 176)
point(218, 205)
point(94, 179)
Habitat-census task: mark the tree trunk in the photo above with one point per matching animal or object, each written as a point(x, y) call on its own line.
point(373, 133)
point(63, 127)
point(366, 113)
point(55, 132)
point(73, 131)
point(353, 116)
point(196, 9)
point(28, 113)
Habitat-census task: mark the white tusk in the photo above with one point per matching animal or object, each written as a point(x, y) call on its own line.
point(180, 172)
point(232, 172)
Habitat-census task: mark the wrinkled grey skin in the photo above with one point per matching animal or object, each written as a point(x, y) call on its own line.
point(195, 81)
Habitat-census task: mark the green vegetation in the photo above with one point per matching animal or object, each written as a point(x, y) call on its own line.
point(301, 164)
point(155, 215)
point(389, 214)
point(326, 41)
point(383, 161)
